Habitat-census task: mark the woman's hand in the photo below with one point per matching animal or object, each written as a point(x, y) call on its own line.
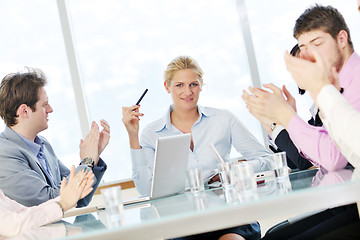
point(131, 118)
point(78, 186)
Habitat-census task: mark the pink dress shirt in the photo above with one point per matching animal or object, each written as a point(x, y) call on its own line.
point(315, 142)
point(16, 218)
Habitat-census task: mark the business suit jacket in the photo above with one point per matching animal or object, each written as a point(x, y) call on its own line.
point(284, 143)
point(22, 177)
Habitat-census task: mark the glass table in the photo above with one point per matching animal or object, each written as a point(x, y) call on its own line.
point(214, 209)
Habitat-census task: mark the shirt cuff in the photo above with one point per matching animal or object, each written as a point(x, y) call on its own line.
point(276, 132)
point(101, 166)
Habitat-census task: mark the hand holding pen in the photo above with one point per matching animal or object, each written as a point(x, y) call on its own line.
point(131, 118)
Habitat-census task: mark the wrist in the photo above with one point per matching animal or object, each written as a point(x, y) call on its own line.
point(134, 142)
point(88, 161)
point(315, 93)
point(286, 117)
point(61, 207)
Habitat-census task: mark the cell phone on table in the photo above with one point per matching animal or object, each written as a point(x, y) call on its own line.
point(142, 96)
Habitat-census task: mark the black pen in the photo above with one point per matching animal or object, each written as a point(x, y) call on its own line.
point(138, 102)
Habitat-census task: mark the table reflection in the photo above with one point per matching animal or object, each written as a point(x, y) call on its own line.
point(325, 178)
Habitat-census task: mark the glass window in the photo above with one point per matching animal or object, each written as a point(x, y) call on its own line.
point(31, 36)
point(125, 46)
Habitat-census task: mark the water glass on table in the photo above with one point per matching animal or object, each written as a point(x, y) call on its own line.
point(245, 178)
point(196, 181)
point(226, 175)
point(113, 205)
point(279, 165)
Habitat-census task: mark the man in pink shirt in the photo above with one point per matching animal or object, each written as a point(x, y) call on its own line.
point(327, 32)
point(324, 29)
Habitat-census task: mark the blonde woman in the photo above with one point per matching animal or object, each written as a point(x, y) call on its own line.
point(184, 80)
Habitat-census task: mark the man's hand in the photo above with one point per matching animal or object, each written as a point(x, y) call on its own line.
point(289, 98)
point(272, 106)
point(89, 147)
point(104, 136)
point(311, 76)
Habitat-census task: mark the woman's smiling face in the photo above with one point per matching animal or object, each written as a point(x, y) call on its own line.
point(185, 89)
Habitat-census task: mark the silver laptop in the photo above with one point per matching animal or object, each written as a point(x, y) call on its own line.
point(170, 166)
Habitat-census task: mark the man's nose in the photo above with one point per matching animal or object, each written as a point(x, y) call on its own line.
point(304, 54)
point(49, 110)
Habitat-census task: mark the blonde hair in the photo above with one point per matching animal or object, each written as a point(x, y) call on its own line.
point(182, 63)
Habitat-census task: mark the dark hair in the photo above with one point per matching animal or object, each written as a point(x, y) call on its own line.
point(295, 51)
point(325, 18)
point(19, 88)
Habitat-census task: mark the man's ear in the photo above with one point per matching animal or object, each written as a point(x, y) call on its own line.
point(166, 87)
point(343, 39)
point(23, 111)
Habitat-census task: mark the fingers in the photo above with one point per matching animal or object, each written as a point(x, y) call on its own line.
point(105, 125)
point(94, 131)
point(133, 110)
point(273, 88)
point(86, 192)
point(334, 78)
point(63, 183)
point(253, 103)
point(245, 95)
point(72, 172)
point(80, 175)
point(316, 55)
point(287, 93)
point(106, 128)
point(82, 185)
point(86, 179)
point(249, 99)
point(292, 63)
point(94, 127)
point(258, 92)
point(88, 182)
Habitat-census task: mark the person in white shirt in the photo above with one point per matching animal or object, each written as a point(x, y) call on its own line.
point(184, 80)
